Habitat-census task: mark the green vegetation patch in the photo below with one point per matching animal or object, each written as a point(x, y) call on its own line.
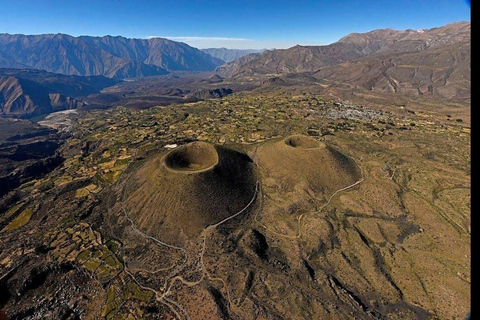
point(21, 220)
point(83, 256)
point(11, 211)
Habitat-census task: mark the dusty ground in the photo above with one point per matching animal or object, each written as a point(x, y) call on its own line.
point(381, 230)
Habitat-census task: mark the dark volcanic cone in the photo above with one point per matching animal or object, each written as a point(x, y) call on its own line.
point(176, 195)
point(300, 161)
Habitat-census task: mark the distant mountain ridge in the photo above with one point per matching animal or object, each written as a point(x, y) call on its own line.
point(417, 62)
point(349, 48)
point(113, 57)
point(228, 55)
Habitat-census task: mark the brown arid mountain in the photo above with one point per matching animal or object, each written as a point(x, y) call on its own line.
point(28, 93)
point(114, 57)
point(394, 41)
point(292, 60)
point(230, 68)
point(434, 62)
point(442, 72)
point(170, 55)
point(348, 48)
point(23, 97)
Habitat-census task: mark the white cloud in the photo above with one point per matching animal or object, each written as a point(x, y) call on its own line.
point(212, 42)
point(201, 39)
point(230, 43)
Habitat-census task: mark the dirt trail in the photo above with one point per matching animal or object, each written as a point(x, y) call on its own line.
point(173, 276)
point(299, 218)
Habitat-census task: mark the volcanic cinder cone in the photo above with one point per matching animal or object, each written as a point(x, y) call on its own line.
point(300, 160)
point(176, 195)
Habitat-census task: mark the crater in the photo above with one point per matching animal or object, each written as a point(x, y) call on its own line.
point(301, 164)
point(303, 142)
point(193, 157)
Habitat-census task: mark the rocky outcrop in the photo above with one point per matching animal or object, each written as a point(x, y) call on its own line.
point(209, 93)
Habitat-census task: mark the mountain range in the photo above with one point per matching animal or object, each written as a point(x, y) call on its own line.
point(419, 62)
point(351, 47)
point(114, 57)
point(429, 63)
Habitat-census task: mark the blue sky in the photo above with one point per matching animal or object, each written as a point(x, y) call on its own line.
point(231, 24)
